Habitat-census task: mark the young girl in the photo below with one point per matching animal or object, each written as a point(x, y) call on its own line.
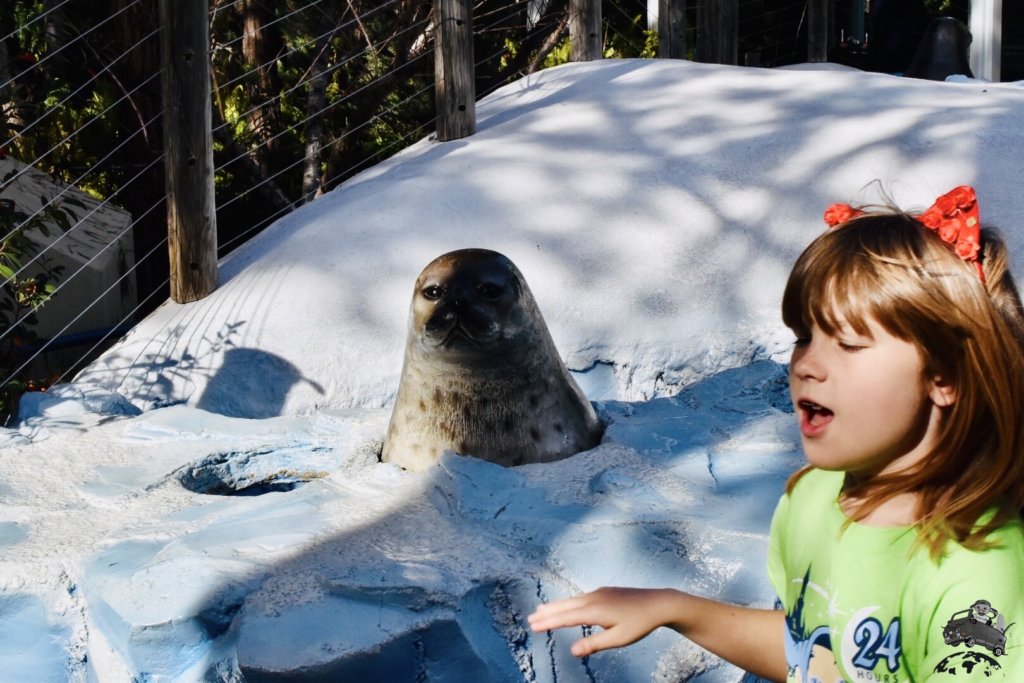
point(898, 551)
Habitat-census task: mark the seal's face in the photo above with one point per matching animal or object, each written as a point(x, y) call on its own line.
point(467, 302)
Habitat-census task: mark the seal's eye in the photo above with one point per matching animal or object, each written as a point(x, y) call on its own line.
point(433, 292)
point(489, 290)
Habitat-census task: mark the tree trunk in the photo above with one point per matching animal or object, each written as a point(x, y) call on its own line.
point(244, 166)
point(141, 195)
point(718, 27)
point(672, 29)
point(315, 103)
point(261, 44)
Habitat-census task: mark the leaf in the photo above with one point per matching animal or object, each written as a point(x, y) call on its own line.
point(61, 220)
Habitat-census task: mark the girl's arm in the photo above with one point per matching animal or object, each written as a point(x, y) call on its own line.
point(752, 639)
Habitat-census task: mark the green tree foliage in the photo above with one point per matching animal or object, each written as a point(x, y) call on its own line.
point(305, 94)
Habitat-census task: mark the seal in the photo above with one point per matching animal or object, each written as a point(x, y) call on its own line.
point(481, 375)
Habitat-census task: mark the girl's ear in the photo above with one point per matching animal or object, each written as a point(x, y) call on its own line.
point(942, 392)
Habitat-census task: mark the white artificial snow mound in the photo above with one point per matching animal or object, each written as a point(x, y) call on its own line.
point(654, 207)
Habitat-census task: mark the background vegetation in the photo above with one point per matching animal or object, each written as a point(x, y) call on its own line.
point(306, 93)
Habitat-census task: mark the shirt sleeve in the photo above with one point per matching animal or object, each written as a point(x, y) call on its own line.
point(973, 607)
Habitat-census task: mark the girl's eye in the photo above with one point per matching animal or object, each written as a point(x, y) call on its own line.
point(433, 292)
point(803, 337)
point(846, 346)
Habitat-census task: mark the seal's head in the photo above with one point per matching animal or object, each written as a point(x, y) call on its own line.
point(470, 304)
point(481, 375)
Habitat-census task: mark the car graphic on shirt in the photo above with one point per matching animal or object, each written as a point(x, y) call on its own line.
point(974, 626)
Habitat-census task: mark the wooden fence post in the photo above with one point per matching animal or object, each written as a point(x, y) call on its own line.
point(718, 29)
point(585, 43)
point(188, 147)
point(454, 70)
point(672, 29)
point(817, 30)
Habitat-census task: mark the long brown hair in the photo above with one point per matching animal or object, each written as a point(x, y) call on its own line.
point(886, 266)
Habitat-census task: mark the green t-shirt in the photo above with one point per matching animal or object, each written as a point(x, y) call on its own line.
point(862, 604)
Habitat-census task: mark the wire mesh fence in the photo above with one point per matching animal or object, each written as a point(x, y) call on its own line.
point(304, 94)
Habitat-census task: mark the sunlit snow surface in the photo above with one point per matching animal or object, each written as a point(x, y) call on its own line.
point(205, 501)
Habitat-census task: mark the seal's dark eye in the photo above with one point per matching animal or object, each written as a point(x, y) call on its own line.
point(433, 292)
point(489, 290)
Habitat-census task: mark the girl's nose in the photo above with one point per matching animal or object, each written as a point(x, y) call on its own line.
point(806, 362)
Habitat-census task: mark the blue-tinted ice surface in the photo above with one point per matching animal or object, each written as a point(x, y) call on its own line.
point(32, 648)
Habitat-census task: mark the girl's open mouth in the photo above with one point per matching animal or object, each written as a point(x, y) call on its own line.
point(813, 417)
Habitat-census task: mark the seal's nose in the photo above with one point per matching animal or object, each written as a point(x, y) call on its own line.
point(442, 321)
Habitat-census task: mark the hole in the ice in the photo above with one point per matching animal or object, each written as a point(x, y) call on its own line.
point(252, 473)
point(269, 487)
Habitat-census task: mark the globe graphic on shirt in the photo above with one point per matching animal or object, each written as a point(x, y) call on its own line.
point(967, 664)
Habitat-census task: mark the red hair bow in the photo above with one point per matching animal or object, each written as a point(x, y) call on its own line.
point(953, 216)
point(840, 213)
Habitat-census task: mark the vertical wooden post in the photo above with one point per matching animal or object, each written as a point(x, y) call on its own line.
point(585, 43)
point(672, 29)
point(454, 70)
point(717, 39)
point(817, 30)
point(188, 146)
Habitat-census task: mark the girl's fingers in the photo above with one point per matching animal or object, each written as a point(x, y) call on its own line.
point(599, 608)
point(548, 619)
point(561, 605)
point(563, 616)
point(602, 640)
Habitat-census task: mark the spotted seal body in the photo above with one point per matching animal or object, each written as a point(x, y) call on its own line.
point(481, 374)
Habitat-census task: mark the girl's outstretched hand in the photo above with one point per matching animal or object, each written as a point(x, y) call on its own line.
point(625, 614)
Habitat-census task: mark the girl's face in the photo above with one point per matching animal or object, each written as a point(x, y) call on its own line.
point(863, 401)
